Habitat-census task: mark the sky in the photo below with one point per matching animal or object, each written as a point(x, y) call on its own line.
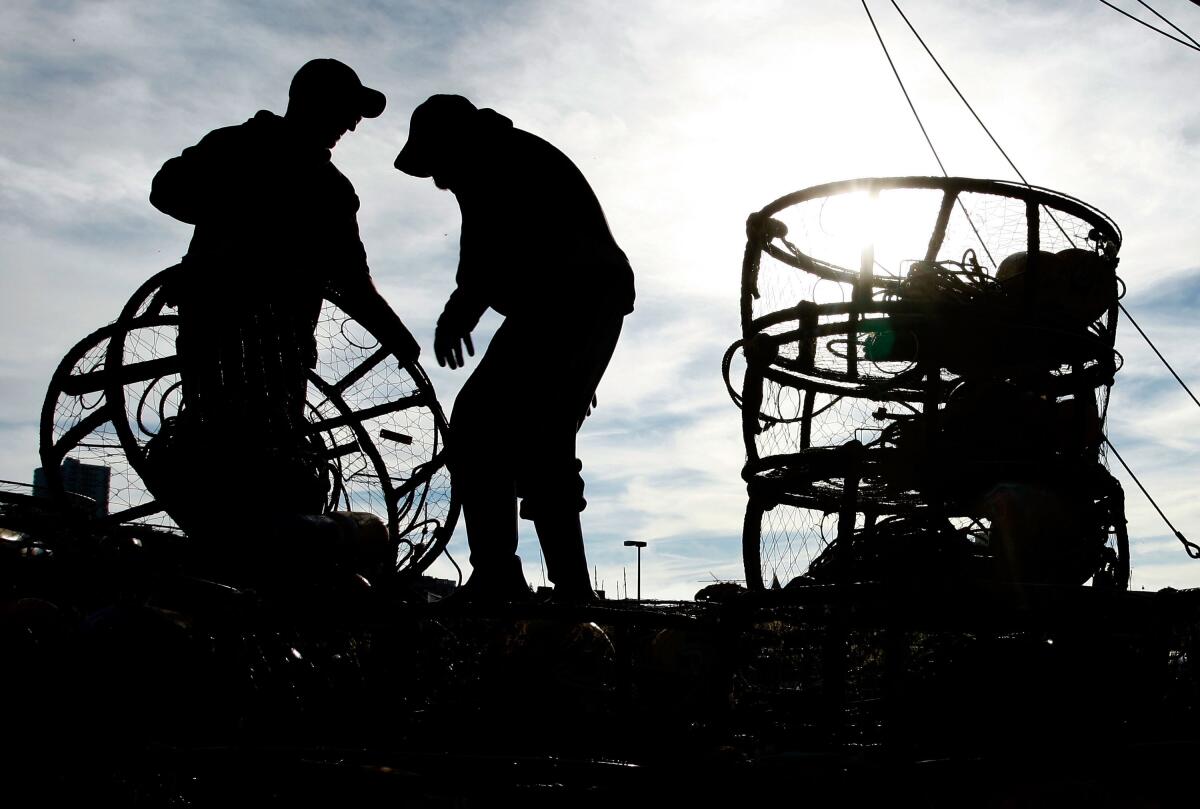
point(685, 117)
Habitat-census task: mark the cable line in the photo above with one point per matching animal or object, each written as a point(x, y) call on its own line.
point(1168, 22)
point(1151, 27)
point(963, 98)
point(1022, 176)
point(979, 121)
point(928, 140)
point(1191, 548)
point(904, 90)
point(1159, 354)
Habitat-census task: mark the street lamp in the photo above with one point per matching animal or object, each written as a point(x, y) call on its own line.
point(637, 543)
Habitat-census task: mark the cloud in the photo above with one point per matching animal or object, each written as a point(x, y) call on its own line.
point(685, 118)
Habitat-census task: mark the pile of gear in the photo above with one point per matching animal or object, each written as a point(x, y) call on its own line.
point(936, 412)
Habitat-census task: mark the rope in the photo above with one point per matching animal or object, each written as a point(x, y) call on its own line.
point(978, 120)
point(1159, 354)
point(1168, 22)
point(1152, 28)
point(1022, 176)
point(1192, 549)
point(963, 98)
point(904, 90)
point(921, 124)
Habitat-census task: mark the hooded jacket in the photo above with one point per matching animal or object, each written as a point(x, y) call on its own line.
point(535, 240)
point(270, 210)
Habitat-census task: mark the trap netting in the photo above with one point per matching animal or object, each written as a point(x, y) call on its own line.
point(375, 428)
point(924, 361)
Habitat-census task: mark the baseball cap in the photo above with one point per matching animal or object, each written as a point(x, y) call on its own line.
point(334, 80)
point(437, 123)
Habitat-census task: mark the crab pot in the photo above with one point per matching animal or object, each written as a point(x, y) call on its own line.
point(924, 373)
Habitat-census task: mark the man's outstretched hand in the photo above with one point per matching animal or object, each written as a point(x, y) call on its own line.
point(448, 346)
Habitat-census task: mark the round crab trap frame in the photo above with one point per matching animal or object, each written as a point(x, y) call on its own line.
point(926, 365)
point(375, 424)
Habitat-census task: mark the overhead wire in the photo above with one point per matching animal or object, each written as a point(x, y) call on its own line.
point(1125, 310)
point(1192, 549)
point(1195, 47)
point(1168, 22)
point(1182, 384)
point(1140, 331)
point(924, 132)
point(978, 120)
point(961, 97)
point(904, 90)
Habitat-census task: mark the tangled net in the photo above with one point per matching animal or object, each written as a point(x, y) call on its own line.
point(910, 348)
point(377, 422)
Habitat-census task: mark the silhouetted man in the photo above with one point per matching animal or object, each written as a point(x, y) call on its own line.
point(535, 247)
point(275, 232)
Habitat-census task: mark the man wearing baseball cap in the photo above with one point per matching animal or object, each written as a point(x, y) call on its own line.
point(535, 247)
point(276, 231)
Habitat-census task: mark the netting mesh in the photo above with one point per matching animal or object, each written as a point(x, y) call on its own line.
point(376, 422)
point(790, 538)
point(80, 426)
point(865, 304)
point(396, 412)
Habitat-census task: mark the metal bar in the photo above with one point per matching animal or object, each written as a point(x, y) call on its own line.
point(366, 413)
point(126, 375)
point(939, 227)
point(134, 513)
point(361, 370)
point(81, 430)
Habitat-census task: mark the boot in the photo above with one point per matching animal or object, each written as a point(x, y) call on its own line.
point(490, 514)
point(492, 583)
point(561, 537)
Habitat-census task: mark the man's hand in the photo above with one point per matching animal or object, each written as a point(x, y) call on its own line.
point(408, 350)
point(594, 404)
point(448, 346)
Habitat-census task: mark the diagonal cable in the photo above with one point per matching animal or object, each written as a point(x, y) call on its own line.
point(1185, 43)
point(978, 120)
point(921, 124)
point(1193, 550)
point(904, 90)
point(1190, 547)
point(1018, 171)
point(1159, 354)
point(1179, 30)
point(961, 97)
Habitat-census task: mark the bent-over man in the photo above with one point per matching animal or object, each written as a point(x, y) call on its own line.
point(535, 247)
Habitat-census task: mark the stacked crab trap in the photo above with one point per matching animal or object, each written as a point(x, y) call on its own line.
point(372, 428)
point(926, 365)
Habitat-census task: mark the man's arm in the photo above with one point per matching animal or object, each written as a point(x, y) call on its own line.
point(454, 327)
point(184, 186)
point(466, 304)
point(371, 310)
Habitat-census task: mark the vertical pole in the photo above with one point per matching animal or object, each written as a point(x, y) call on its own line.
point(639, 583)
point(639, 544)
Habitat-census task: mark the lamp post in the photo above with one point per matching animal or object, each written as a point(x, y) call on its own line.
point(637, 543)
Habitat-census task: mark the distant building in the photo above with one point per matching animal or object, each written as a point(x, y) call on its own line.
point(89, 480)
point(436, 589)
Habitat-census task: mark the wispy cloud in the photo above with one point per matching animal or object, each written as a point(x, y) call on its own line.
point(684, 117)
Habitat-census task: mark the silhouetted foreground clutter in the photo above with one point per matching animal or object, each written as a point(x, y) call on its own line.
point(129, 681)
